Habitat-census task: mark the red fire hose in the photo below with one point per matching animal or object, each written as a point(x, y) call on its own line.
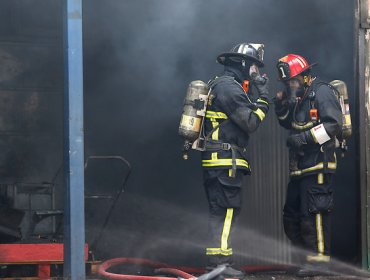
point(161, 267)
point(168, 269)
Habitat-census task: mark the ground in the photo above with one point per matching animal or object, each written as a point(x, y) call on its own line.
point(291, 277)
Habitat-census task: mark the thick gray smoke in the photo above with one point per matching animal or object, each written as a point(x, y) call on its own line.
point(140, 55)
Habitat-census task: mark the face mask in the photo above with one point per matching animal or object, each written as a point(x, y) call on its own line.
point(294, 89)
point(254, 71)
point(295, 92)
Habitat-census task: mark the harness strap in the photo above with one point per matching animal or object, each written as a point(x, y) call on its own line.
point(215, 146)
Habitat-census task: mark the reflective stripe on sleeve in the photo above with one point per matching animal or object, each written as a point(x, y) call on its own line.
point(283, 117)
point(261, 115)
point(216, 115)
point(262, 101)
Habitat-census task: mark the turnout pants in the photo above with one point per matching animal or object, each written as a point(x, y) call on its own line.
point(224, 201)
point(307, 215)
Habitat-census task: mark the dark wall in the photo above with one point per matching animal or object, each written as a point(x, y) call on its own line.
point(31, 101)
point(31, 88)
point(139, 57)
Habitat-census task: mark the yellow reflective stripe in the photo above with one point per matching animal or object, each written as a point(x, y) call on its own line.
point(214, 136)
point(213, 251)
point(318, 258)
point(320, 234)
point(215, 133)
point(320, 178)
point(230, 172)
point(227, 227)
point(284, 116)
point(224, 236)
point(302, 127)
point(260, 114)
point(313, 135)
point(227, 252)
point(331, 165)
point(224, 162)
point(262, 101)
point(216, 115)
point(219, 251)
point(319, 229)
point(214, 156)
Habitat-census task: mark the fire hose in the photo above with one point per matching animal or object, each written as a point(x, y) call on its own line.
point(160, 268)
point(177, 271)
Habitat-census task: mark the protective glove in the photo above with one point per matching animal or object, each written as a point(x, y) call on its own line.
point(262, 85)
point(281, 102)
point(296, 141)
point(280, 99)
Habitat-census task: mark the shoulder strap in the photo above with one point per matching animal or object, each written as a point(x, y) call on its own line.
point(316, 86)
point(215, 128)
point(214, 81)
point(320, 83)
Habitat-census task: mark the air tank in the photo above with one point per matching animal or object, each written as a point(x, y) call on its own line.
point(341, 88)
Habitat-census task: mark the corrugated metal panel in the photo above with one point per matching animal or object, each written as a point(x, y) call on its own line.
point(262, 238)
point(364, 127)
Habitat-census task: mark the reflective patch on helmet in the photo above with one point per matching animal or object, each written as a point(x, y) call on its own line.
point(284, 59)
point(242, 48)
point(320, 135)
point(301, 62)
point(282, 72)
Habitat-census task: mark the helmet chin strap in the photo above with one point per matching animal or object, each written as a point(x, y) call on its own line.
point(238, 71)
point(307, 82)
point(244, 70)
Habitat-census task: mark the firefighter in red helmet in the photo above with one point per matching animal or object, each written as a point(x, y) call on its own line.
point(310, 110)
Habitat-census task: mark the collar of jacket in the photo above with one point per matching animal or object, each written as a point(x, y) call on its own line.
point(311, 91)
point(236, 73)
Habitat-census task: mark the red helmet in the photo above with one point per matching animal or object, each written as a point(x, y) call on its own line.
point(292, 65)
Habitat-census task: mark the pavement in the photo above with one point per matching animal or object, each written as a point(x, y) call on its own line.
point(273, 276)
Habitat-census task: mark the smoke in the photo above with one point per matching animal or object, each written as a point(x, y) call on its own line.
point(10, 66)
point(139, 57)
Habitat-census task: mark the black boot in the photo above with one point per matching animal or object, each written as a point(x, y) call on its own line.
point(230, 272)
point(227, 272)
